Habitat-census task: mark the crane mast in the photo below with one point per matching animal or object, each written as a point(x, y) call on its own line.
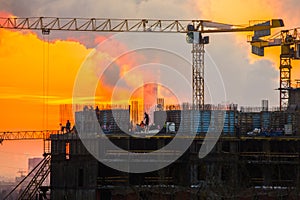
point(288, 47)
point(198, 75)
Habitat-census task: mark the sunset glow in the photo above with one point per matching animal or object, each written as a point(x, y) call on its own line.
point(38, 72)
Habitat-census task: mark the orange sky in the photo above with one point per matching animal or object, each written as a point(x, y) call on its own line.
point(24, 56)
point(32, 68)
point(21, 90)
point(240, 12)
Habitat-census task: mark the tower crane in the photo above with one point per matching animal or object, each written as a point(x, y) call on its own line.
point(289, 41)
point(194, 30)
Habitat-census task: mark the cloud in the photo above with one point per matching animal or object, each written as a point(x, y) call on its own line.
point(235, 12)
point(257, 76)
point(288, 10)
point(246, 84)
point(247, 79)
point(104, 9)
point(31, 70)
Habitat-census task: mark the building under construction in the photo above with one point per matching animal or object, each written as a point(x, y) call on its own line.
point(256, 157)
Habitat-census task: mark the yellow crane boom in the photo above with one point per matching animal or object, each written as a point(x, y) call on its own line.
point(193, 28)
point(129, 25)
point(27, 135)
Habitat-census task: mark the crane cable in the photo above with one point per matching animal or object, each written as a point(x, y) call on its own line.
point(45, 79)
point(46, 74)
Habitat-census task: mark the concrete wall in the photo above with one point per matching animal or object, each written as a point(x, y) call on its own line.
point(73, 176)
point(234, 166)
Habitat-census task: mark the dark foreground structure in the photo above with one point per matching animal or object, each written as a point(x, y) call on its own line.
point(237, 168)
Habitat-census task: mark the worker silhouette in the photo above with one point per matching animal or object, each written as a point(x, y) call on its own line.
point(68, 126)
point(146, 118)
point(62, 128)
point(142, 124)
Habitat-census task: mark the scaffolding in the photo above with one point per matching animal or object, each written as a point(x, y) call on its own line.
point(34, 188)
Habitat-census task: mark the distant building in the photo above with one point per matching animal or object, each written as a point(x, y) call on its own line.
point(150, 96)
point(265, 105)
point(134, 112)
point(111, 121)
point(66, 113)
point(160, 104)
point(33, 162)
point(5, 188)
point(238, 166)
point(294, 99)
